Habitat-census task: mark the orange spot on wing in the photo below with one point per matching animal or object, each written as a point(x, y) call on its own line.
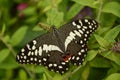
point(67, 58)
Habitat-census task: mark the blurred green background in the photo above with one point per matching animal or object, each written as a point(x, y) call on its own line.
point(19, 24)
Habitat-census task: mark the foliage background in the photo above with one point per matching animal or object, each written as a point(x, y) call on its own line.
point(18, 26)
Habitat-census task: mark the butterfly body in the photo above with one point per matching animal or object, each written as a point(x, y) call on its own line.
point(60, 46)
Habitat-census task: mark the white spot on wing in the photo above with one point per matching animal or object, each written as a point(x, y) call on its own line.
point(22, 53)
point(86, 20)
point(25, 57)
point(29, 53)
point(85, 27)
point(54, 65)
point(22, 50)
point(27, 60)
point(73, 57)
point(32, 53)
point(79, 53)
point(87, 32)
point(56, 48)
point(33, 47)
point(81, 41)
point(94, 22)
point(63, 63)
point(31, 59)
point(36, 52)
point(44, 59)
point(39, 61)
point(85, 39)
point(72, 34)
point(40, 51)
point(69, 39)
point(82, 50)
point(18, 57)
point(50, 47)
point(74, 24)
point(34, 41)
point(86, 35)
point(77, 33)
point(60, 67)
point(35, 59)
point(83, 59)
point(81, 31)
point(90, 26)
point(80, 22)
point(89, 23)
point(45, 48)
point(50, 65)
point(78, 26)
point(28, 46)
point(77, 58)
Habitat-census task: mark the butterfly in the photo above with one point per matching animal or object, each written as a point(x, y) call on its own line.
point(59, 47)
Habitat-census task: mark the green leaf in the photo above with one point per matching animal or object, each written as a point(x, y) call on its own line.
point(18, 36)
point(107, 20)
point(57, 77)
point(55, 17)
point(6, 38)
point(44, 77)
point(115, 76)
point(3, 54)
point(22, 75)
point(91, 3)
point(100, 62)
point(9, 63)
point(112, 56)
point(112, 34)
point(73, 11)
point(102, 42)
point(113, 70)
point(29, 11)
point(91, 55)
point(112, 7)
point(39, 69)
point(32, 19)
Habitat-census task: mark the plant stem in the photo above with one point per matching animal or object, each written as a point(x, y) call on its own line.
point(76, 70)
point(71, 73)
point(14, 54)
point(49, 76)
point(100, 10)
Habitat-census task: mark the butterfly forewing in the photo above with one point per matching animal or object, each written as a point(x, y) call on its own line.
point(56, 48)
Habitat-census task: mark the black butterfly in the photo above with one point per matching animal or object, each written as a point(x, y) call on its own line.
point(60, 46)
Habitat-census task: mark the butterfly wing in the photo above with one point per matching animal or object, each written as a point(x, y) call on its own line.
point(43, 50)
point(76, 35)
point(55, 49)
